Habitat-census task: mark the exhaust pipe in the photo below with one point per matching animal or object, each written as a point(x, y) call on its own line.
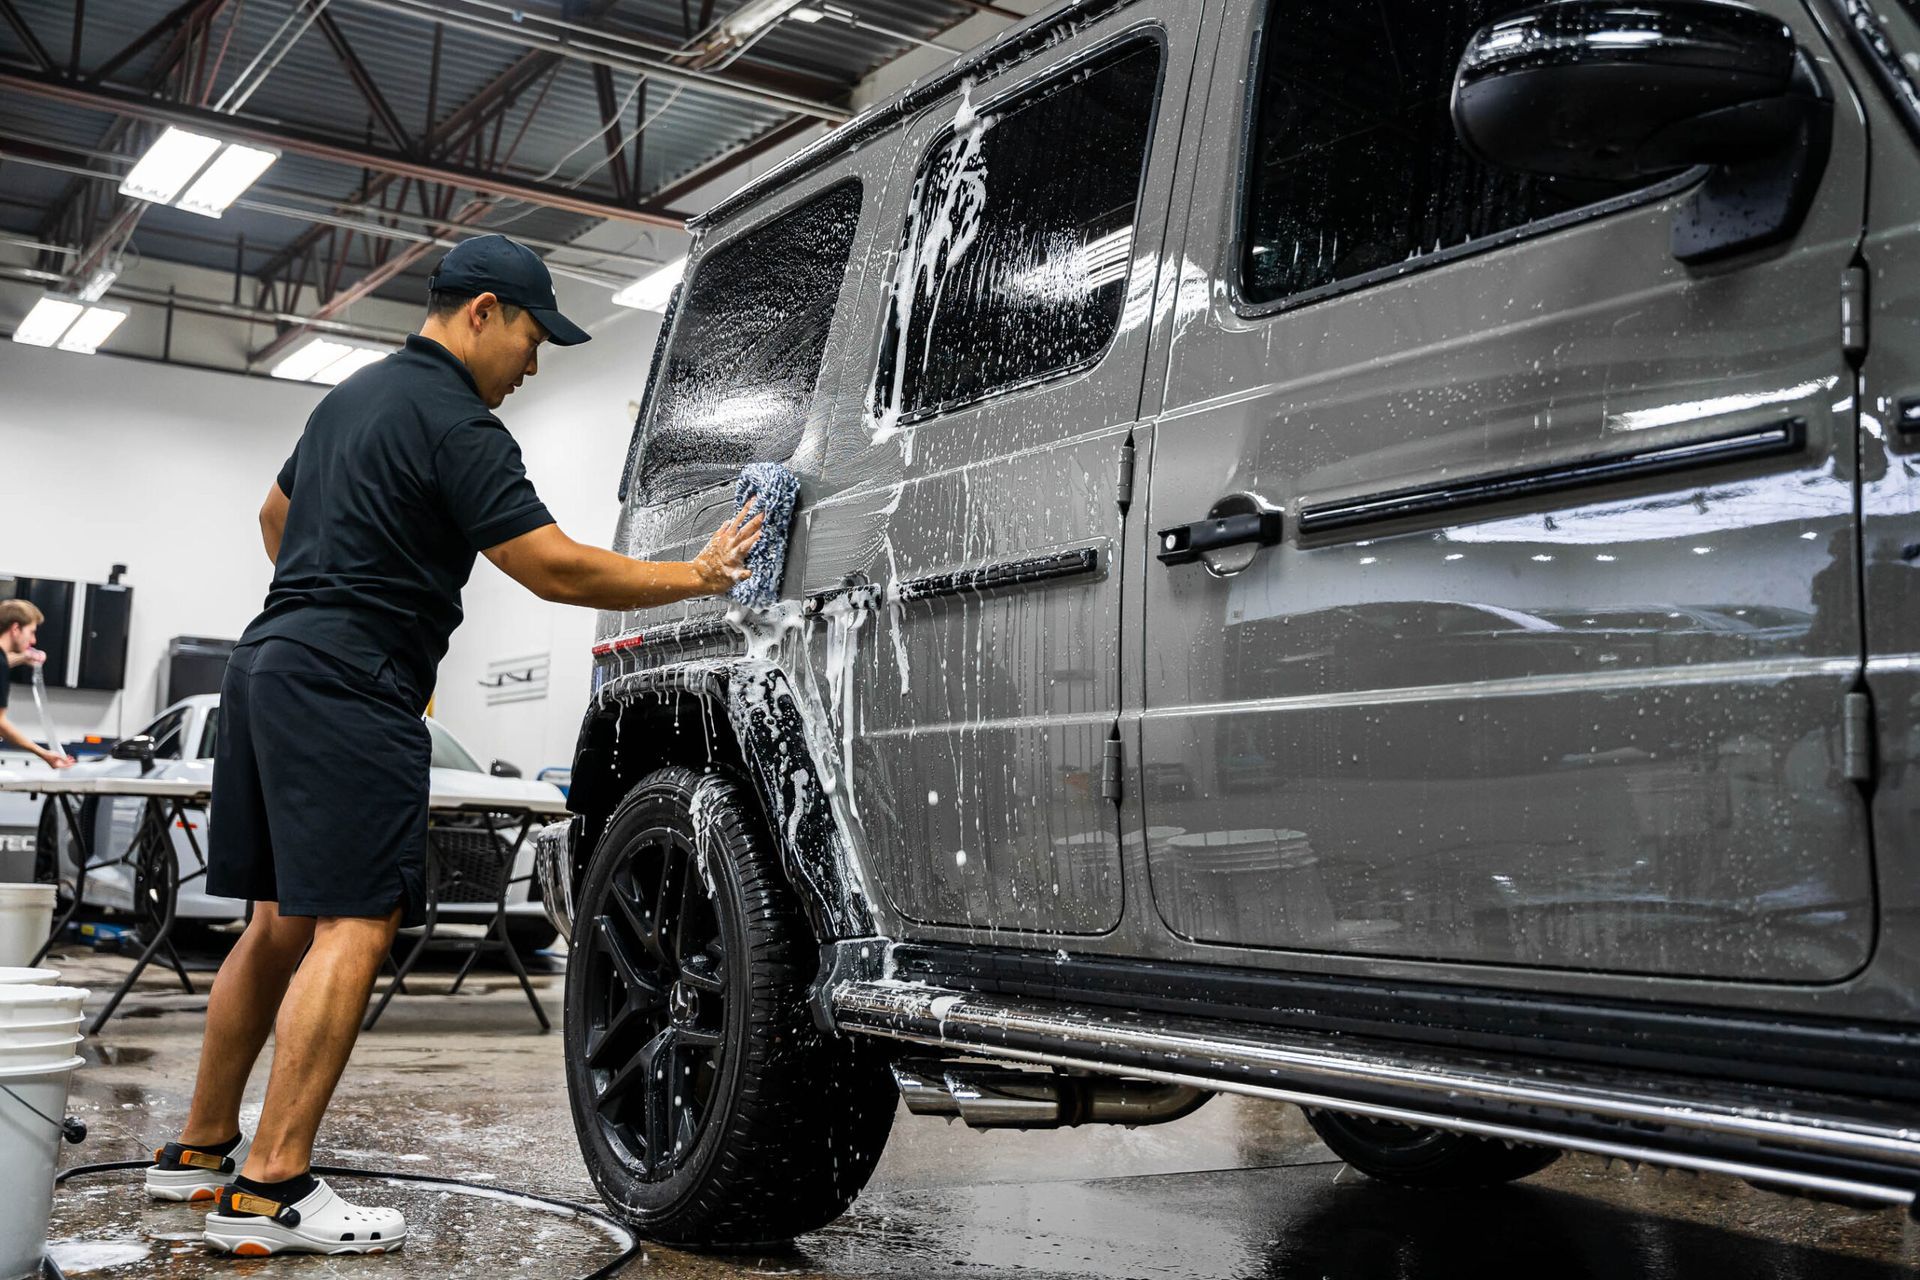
point(1006, 1098)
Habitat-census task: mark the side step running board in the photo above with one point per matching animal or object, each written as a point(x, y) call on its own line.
point(1815, 1144)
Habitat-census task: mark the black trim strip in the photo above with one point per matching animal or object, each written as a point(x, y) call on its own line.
point(1789, 436)
point(1006, 51)
point(1053, 567)
point(1869, 36)
point(1857, 1059)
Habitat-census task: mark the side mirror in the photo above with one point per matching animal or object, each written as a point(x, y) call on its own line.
point(139, 747)
point(1599, 89)
point(505, 769)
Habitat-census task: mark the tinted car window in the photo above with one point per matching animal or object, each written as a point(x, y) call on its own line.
point(748, 337)
point(210, 736)
point(1014, 263)
point(1354, 166)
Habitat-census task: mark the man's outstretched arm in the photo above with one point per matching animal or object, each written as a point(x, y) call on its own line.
point(11, 734)
point(554, 567)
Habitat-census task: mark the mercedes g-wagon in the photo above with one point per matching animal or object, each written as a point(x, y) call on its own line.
point(1361, 554)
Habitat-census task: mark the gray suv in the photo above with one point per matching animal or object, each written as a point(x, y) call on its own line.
point(1356, 554)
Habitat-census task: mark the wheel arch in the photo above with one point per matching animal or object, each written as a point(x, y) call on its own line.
point(740, 714)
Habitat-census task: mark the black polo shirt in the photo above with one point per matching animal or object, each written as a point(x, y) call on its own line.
point(401, 476)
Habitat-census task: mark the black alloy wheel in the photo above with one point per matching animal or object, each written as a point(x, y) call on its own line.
point(709, 1108)
point(655, 1004)
point(1418, 1156)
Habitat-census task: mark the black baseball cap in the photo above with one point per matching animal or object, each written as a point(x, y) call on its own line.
point(510, 272)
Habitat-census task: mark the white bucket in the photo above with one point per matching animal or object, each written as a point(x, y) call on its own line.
point(39, 1004)
point(13, 975)
point(43, 1048)
point(29, 1151)
point(44, 1029)
point(26, 917)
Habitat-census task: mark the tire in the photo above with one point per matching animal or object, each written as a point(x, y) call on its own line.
point(781, 1123)
point(1414, 1156)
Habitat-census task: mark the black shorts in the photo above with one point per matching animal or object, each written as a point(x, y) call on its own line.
point(320, 784)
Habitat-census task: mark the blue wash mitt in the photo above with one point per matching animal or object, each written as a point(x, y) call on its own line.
point(777, 490)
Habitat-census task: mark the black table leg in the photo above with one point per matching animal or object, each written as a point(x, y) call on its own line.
point(162, 890)
point(83, 850)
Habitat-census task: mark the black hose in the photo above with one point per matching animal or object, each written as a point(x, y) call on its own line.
point(632, 1251)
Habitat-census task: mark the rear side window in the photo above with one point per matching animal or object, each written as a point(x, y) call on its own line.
point(1353, 167)
point(748, 338)
point(1014, 264)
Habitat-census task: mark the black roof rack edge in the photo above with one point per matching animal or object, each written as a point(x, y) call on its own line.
point(1010, 47)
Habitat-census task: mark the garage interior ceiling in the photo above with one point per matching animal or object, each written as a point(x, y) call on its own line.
point(405, 125)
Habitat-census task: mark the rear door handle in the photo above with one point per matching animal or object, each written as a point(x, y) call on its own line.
point(1186, 543)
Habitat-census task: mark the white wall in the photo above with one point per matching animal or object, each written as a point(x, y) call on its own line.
point(573, 421)
point(106, 460)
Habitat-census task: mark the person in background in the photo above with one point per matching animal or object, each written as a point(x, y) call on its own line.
point(19, 624)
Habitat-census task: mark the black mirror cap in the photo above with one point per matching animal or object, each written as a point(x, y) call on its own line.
point(505, 769)
point(1601, 90)
point(139, 747)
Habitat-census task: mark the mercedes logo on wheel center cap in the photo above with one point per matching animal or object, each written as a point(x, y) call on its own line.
point(683, 1003)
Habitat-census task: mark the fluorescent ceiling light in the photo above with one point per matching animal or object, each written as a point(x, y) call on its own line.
point(236, 169)
point(49, 318)
point(170, 163)
point(755, 14)
point(356, 359)
point(651, 292)
point(325, 360)
point(92, 329)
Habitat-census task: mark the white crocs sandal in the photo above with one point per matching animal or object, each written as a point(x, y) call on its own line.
point(179, 1172)
point(320, 1222)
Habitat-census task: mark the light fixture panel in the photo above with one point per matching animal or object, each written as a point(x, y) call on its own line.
point(169, 165)
point(755, 14)
point(356, 359)
point(652, 292)
point(226, 179)
point(92, 329)
point(50, 318)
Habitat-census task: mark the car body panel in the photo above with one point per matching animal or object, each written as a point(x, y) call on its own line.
point(1542, 732)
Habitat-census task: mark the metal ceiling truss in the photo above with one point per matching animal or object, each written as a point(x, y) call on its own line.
point(439, 176)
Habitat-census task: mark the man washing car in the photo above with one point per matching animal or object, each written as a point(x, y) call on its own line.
point(402, 476)
point(19, 626)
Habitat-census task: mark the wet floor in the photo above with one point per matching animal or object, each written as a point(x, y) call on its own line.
point(466, 1087)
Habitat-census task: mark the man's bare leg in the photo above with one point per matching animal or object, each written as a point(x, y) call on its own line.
point(319, 1021)
point(240, 1012)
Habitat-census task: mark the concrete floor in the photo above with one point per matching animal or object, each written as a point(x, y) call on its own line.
point(467, 1087)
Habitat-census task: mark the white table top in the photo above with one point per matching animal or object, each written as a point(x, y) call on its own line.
point(200, 790)
point(49, 783)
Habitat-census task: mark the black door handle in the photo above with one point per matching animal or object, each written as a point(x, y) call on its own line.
point(1185, 543)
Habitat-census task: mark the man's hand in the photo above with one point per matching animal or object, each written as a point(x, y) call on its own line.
point(55, 761)
point(723, 561)
point(36, 657)
point(26, 658)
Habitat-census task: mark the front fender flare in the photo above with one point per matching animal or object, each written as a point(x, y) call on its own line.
point(768, 729)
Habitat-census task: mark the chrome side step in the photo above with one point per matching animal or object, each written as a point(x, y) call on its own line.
point(1818, 1145)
